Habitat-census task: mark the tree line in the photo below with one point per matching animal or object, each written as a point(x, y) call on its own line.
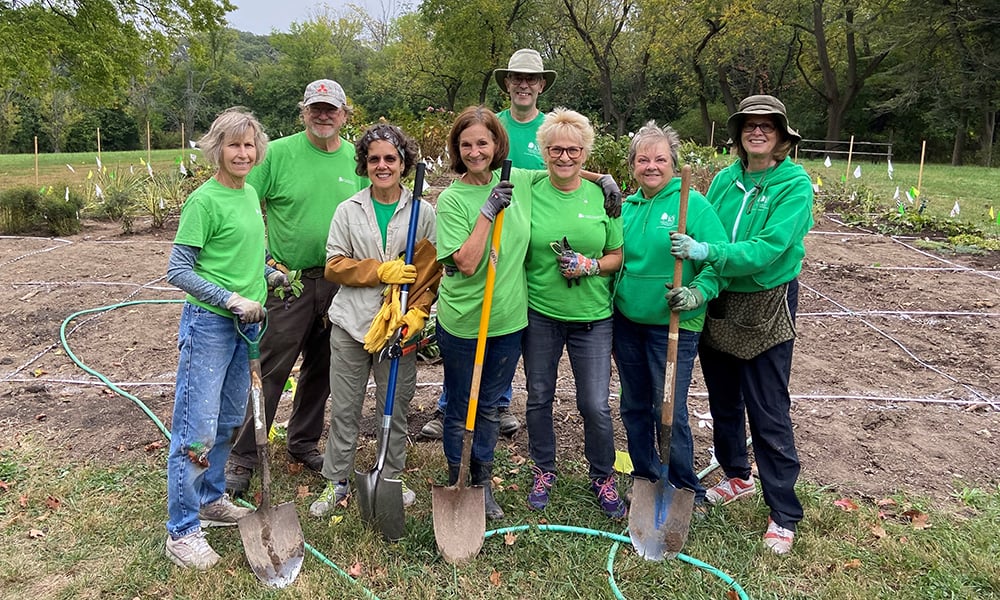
point(900, 71)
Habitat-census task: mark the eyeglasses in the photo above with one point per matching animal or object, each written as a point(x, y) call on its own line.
point(519, 78)
point(573, 152)
point(318, 111)
point(765, 127)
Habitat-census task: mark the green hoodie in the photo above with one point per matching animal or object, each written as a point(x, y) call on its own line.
point(648, 269)
point(766, 217)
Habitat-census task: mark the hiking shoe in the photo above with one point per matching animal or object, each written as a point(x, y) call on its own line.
point(335, 494)
point(312, 460)
point(222, 513)
point(237, 480)
point(777, 538)
point(508, 423)
point(538, 498)
point(433, 429)
point(191, 551)
point(730, 489)
point(409, 496)
point(607, 495)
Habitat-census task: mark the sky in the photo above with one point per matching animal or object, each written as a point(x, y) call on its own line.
point(263, 16)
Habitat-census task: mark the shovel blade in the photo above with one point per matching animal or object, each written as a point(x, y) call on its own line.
point(380, 502)
point(274, 545)
point(659, 518)
point(459, 514)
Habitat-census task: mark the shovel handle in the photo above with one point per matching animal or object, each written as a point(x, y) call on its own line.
point(670, 374)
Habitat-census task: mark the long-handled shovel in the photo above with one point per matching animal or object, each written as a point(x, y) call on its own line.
point(380, 499)
point(660, 515)
point(459, 512)
point(272, 535)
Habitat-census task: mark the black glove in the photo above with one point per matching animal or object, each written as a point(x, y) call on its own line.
point(612, 196)
point(498, 200)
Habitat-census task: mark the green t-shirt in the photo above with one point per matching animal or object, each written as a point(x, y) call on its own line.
point(460, 297)
point(227, 225)
point(524, 150)
point(383, 213)
point(579, 216)
point(301, 186)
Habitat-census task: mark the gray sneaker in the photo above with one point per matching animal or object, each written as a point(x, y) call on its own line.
point(433, 429)
point(191, 551)
point(409, 496)
point(222, 513)
point(335, 494)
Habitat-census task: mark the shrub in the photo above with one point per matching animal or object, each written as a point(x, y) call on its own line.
point(610, 155)
point(25, 210)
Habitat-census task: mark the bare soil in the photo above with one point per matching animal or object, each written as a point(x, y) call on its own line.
point(896, 381)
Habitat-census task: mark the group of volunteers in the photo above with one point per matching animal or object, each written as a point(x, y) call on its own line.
point(577, 270)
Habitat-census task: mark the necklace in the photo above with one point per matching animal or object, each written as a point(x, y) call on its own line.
point(758, 184)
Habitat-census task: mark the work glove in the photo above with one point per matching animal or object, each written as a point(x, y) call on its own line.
point(684, 298)
point(612, 196)
point(396, 271)
point(277, 279)
point(684, 247)
point(248, 311)
point(413, 321)
point(575, 265)
point(498, 200)
point(385, 322)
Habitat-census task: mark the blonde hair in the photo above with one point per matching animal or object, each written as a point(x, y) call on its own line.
point(232, 123)
point(569, 123)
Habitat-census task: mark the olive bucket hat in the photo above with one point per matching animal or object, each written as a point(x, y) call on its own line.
point(761, 105)
point(528, 61)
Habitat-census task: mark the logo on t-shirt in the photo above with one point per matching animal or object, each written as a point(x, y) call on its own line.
point(667, 221)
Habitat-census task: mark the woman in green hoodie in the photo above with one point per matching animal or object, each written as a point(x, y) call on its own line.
point(765, 203)
point(643, 305)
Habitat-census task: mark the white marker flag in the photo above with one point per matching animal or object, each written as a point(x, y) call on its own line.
point(955, 210)
point(827, 162)
point(857, 172)
point(71, 169)
point(98, 191)
point(889, 168)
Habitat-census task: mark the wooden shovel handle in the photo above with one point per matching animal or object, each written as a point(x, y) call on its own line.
point(667, 410)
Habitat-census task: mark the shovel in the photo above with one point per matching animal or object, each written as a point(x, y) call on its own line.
point(380, 500)
point(459, 512)
point(272, 535)
point(660, 515)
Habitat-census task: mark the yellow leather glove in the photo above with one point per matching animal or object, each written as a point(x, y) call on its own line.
point(396, 271)
point(384, 323)
point(413, 320)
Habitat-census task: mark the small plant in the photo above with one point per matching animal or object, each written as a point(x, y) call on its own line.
point(116, 193)
point(295, 281)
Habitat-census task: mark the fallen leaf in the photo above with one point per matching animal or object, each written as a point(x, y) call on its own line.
point(497, 481)
point(853, 564)
point(509, 538)
point(878, 531)
point(514, 487)
point(917, 519)
point(343, 502)
point(543, 521)
point(23, 500)
point(36, 534)
point(517, 459)
point(295, 468)
point(52, 503)
point(4, 485)
point(356, 570)
point(886, 502)
point(732, 595)
point(302, 492)
point(41, 417)
point(903, 540)
point(336, 519)
point(39, 372)
point(153, 446)
point(846, 503)
point(495, 578)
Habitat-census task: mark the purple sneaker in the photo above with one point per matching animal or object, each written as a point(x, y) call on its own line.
point(607, 495)
point(539, 496)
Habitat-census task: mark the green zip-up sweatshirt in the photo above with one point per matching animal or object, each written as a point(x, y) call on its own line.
point(765, 224)
point(648, 269)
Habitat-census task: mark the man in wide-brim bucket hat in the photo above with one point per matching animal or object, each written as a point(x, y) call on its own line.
point(525, 61)
point(761, 104)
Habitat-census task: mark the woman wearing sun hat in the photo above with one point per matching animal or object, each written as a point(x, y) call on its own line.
point(764, 201)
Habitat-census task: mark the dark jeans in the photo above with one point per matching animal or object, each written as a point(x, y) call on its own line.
point(758, 390)
point(500, 362)
point(589, 347)
point(303, 329)
point(640, 352)
point(504, 399)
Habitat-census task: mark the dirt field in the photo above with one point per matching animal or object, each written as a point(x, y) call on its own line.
point(896, 379)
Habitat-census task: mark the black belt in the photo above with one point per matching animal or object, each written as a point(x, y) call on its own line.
point(313, 272)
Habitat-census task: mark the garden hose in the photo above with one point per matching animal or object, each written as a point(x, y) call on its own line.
point(617, 538)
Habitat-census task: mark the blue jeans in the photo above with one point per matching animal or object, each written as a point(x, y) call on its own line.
point(589, 347)
point(213, 383)
point(756, 390)
point(504, 399)
point(499, 365)
point(641, 355)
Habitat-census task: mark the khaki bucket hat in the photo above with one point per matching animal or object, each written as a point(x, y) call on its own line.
point(761, 105)
point(525, 60)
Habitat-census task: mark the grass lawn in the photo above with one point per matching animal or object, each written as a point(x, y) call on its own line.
point(91, 531)
point(19, 169)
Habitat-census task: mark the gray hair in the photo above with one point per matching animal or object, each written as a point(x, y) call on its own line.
point(563, 121)
point(230, 124)
point(651, 133)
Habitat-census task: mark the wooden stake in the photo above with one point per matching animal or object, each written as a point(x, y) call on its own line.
point(98, 143)
point(850, 153)
point(920, 174)
point(149, 157)
point(711, 138)
point(36, 160)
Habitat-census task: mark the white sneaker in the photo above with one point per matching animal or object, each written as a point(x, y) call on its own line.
point(777, 538)
point(222, 513)
point(409, 496)
point(191, 551)
point(730, 489)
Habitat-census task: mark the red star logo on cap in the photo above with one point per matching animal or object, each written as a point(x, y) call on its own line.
point(322, 88)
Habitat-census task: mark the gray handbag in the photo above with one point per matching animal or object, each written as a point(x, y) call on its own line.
point(746, 324)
